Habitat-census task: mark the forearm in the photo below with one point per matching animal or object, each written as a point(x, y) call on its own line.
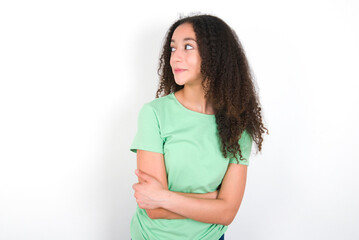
point(210, 195)
point(202, 210)
point(152, 195)
point(161, 213)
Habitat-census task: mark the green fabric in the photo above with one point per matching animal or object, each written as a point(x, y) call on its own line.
point(194, 164)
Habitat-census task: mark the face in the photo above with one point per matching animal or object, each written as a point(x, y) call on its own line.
point(185, 59)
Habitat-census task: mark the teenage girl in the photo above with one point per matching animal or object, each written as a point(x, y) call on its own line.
point(193, 143)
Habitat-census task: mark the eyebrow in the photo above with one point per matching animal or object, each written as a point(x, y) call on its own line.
point(185, 39)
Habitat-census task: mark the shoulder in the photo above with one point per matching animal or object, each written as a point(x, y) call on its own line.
point(157, 102)
point(159, 105)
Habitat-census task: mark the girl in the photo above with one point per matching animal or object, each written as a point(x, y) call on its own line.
point(193, 143)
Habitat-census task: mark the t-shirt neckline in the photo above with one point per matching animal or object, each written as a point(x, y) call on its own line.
point(191, 111)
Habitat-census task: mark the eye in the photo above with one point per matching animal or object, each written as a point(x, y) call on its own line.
point(188, 46)
point(172, 49)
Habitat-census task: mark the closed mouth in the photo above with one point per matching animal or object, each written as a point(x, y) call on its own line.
point(177, 70)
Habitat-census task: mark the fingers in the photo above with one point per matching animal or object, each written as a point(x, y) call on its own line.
point(141, 200)
point(142, 175)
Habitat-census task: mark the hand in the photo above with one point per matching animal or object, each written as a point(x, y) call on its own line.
point(214, 194)
point(149, 192)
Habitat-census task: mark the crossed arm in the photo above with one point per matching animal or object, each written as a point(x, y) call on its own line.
point(218, 207)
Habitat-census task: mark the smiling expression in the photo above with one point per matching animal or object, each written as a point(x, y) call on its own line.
point(185, 58)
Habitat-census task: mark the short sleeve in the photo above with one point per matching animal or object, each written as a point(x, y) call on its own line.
point(245, 143)
point(148, 135)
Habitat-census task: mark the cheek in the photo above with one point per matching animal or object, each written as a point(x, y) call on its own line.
point(196, 62)
point(171, 62)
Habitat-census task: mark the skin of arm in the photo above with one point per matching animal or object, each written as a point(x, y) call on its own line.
point(152, 163)
point(151, 194)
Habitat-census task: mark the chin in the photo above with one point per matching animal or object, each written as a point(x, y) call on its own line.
point(180, 82)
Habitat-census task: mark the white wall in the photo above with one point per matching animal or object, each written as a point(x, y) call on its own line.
point(75, 73)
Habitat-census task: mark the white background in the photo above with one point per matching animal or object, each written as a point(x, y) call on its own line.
point(74, 75)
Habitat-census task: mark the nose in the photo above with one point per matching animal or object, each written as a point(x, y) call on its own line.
point(177, 55)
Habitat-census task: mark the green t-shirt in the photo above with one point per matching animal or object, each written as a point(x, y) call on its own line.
point(190, 144)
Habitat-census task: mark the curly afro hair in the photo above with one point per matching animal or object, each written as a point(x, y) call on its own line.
point(229, 86)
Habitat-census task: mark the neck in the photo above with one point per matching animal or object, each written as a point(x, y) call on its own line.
point(193, 98)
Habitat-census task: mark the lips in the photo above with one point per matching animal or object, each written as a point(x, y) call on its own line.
point(179, 70)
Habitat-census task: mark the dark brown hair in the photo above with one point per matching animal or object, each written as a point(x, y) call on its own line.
point(230, 87)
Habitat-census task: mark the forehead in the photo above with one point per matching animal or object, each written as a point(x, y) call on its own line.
point(183, 31)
